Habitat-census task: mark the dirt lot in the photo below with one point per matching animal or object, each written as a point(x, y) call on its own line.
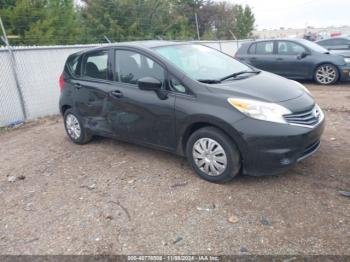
point(113, 197)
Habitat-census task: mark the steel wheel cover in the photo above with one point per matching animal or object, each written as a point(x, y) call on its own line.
point(326, 74)
point(209, 156)
point(73, 126)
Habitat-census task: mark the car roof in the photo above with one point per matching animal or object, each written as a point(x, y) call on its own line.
point(280, 39)
point(138, 44)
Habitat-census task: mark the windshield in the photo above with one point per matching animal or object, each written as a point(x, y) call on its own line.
point(201, 62)
point(314, 46)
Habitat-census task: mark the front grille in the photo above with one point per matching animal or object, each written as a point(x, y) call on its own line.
point(306, 118)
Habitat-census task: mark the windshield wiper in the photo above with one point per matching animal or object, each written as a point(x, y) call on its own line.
point(209, 81)
point(239, 73)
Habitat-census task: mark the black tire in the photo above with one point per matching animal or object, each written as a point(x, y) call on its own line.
point(232, 154)
point(326, 81)
point(84, 137)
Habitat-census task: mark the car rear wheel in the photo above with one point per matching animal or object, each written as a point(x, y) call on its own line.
point(75, 129)
point(213, 155)
point(326, 74)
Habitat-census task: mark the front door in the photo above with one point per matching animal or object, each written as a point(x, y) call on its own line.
point(138, 115)
point(290, 63)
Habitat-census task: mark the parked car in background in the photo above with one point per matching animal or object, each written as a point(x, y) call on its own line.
point(296, 59)
point(337, 45)
point(224, 116)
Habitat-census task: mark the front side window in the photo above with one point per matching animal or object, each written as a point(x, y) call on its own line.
point(201, 62)
point(289, 48)
point(132, 66)
point(96, 65)
point(264, 48)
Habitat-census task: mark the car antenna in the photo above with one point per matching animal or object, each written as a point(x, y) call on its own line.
point(107, 39)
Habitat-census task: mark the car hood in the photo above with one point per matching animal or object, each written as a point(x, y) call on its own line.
point(263, 86)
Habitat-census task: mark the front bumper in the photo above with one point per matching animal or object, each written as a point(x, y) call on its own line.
point(271, 148)
point(344, 72)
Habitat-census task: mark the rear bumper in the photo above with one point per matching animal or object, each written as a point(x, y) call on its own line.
point(272, 148)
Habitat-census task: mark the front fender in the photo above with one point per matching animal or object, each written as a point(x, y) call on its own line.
point(194, 122)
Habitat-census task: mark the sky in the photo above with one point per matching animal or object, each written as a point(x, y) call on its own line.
point(273, 14)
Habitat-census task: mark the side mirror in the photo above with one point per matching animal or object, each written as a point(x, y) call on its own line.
point(303, 55)
point(149, 83)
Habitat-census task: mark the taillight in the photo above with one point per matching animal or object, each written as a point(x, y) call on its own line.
point(61, 82)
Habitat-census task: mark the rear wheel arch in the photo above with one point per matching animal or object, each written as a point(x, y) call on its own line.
point(64, 108)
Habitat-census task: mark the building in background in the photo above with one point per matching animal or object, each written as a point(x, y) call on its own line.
point(310, 33)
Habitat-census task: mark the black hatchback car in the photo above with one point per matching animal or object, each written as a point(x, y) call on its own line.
point(224, 116)
point(296, 59)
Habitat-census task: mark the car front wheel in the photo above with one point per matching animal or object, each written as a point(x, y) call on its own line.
point(213, 155)
point(326, 74)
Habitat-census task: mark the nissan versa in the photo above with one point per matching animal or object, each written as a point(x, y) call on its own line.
point(224, 116)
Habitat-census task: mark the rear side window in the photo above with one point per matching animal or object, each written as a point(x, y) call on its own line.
point(264, 48)
point(326, 42)
point(96, 65)
point(340, 41)
point(132, 66)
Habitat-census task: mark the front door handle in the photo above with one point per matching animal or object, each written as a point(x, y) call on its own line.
point(116, 94)
point(279, 59)
point(253, 59)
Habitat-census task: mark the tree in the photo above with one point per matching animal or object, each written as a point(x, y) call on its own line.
point(244, 22)
point(59, 25)
point(49, 22)
point(41, 22)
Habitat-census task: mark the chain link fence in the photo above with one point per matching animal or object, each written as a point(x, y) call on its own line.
point(38, 70)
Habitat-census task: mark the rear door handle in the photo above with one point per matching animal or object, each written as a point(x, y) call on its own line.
point(116, 94)
point(253, 59)
point(77, 85)
point(279, 59)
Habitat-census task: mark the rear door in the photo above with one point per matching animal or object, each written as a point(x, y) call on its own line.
point(261, 55)
point(142, 116)
point(289, 63)
point(92, 88)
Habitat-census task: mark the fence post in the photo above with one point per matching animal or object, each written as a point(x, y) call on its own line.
point(14, 70)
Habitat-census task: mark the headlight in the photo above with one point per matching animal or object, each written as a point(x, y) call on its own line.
point(260, 110)
point(302, 87)
point(347, 60)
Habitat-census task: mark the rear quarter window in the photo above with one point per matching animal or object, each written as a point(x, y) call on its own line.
point(251, 49)
point(74, 65)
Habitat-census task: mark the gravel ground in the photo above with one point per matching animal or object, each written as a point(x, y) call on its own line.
point(110, 197)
